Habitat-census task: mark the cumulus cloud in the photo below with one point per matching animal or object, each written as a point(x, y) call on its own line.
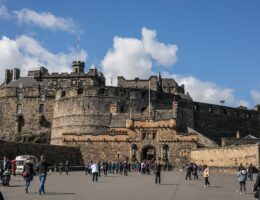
point(46, 20)
point(131, 57)
point(27, 53)
point(207, 92)
point(165, 55)
point(256, 96)
point(4, 13)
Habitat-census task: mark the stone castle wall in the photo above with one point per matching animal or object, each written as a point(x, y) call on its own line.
point(216, 121)
point(116, 144)
point(230, 156)
point(80, 102)
point(54, 154)
point(30, 123)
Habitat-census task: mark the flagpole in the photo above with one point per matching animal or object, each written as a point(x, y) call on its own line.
point(149, 98)
point(78, 40)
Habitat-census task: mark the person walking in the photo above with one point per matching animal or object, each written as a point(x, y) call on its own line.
point(206, 176)
point(105, 166)
point(195, 171)
point(67, 167)
point(60, 167)
point(42, 169)
point(6, 171)
point(250, 172)
point(125, 168)
point(157, 171)
point(189, 171)
point(94, 170)
point(242, 177)
point(27, 174)
point(256, 187)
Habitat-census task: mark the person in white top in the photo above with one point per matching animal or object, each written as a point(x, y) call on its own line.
point(94, 170)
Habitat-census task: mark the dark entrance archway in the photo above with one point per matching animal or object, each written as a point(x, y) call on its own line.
point(148, 153)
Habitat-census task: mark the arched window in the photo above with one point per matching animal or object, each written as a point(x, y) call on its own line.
point(63, 94)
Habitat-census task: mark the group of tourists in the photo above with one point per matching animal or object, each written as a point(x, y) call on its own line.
point(192, 171)
point(245, 174)
point(29, 171)
point(94, 169)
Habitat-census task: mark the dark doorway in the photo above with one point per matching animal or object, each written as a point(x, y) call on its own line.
point(148, 153)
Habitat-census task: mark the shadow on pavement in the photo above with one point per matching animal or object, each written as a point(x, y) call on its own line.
point(59, 193)
point(168, 184)
point(16, 186)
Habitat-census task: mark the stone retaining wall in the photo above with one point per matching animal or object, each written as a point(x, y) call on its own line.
point(53, 153)
point(227, 157)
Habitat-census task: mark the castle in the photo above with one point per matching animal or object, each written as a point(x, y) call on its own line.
point(138, 119)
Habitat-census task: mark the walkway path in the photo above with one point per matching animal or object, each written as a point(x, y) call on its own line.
point(77, 186)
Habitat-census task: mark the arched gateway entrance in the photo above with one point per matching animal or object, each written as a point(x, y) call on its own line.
point(148, 153)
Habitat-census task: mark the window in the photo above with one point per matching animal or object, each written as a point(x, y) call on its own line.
point(63, 94)
point(80, 91)
point(63, 84)
point(248, 115)
point(45, 85)
point(102, 91)
point(82, 83)
point(210, 109)
point(196, 108)
point(154, 136)
point(122, 108)
point(41, 108)
point(74, 82)
point(143, 109)
point(224, 111)
point(19, 109)
point(143, 136)
point(143, 95)
point(236, 113)
point(20, 95)
point(42, 97)
point(121, 93)
point(54, 83)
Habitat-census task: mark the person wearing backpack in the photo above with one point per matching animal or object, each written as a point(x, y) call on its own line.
point(27, 174)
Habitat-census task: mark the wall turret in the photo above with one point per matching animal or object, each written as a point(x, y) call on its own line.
point(8, 76)
point(78, 66)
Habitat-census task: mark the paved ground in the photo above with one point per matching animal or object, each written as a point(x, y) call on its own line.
point(114, 187)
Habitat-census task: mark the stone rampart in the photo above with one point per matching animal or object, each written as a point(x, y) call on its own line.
point(53, 153)
point(227, 157)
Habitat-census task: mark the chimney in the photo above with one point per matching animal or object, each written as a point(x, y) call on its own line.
point(16, 73)
point(8, 76)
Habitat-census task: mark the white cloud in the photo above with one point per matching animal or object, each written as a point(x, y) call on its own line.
point(4, 12)
point(46, 20)
point(131, 57)
point(27, 53)
point(208, 92)
point(165, 55)
point(256, 96)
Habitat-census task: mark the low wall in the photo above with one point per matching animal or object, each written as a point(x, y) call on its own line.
point(227, 157)
point(53, 153)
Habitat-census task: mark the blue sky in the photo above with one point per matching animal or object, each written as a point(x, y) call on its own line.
point(213, 47)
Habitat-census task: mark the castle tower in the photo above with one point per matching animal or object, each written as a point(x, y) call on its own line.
point(78, 66)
